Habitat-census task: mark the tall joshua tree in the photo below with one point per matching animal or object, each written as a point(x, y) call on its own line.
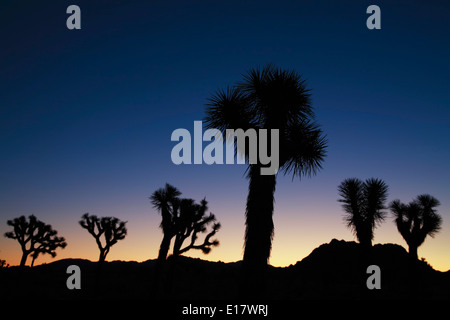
point(269, 98)
point(417, 220)
point(35, 237)
point(112, 230)
point(164, 200)
point(364, 203)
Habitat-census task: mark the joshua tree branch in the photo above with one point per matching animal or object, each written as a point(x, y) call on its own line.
point(207, 244)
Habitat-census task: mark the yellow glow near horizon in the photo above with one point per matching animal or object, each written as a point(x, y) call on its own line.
point(293, 241)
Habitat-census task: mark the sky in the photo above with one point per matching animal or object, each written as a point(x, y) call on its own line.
point(86, 115)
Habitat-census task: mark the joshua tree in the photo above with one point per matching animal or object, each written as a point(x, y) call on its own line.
point(183, 218)
point(3, 264)
point(364, 203)
point(34, 237)
point(416, 220)
point(112, 230)
point(164, 199)
point(190, 219)
point(269, 98)
point(47, 247)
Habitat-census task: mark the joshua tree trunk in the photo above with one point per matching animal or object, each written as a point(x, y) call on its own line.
point(164, 248)
point(365, 237)
point(179, 239)
point(102, 257)
point(32, 261)
point(258, 233)
point(24, 258)
point(259, 223)
point(412, 249)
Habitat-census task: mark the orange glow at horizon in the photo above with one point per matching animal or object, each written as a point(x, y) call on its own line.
point(294, 240)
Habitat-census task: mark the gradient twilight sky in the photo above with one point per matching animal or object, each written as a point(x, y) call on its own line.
point(86, 115)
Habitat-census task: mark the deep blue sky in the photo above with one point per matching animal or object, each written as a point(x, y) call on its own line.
point(86, 115)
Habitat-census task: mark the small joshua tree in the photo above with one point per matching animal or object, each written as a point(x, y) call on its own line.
point(112, 230)
point(417, 220)
point(3, 264)
point(183, 219)
point(191, 219)
point(364, 204)
point(164, 200)
point(35, 237)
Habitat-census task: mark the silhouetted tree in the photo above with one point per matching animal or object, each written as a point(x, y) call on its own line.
point(164, 200)
point(364, 203)
point(183, 219)
point(3, 264)
point(269, 98)
point(111, 228)
point(35, 237)
point(190, 220)
point(416, 220)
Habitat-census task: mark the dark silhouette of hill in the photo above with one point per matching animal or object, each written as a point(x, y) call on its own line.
point(339, 270)
point(336, 270)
